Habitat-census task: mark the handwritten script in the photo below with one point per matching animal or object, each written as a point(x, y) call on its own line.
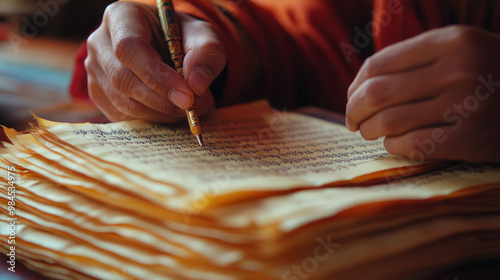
point(245, 147)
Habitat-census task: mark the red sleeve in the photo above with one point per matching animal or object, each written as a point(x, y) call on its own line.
point(78, 87)
point(397, 20)
point(3, 32)
point(286, 51)
point(307, 52)
point(310, 50)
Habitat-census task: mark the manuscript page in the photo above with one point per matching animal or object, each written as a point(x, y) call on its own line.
point(249, 149)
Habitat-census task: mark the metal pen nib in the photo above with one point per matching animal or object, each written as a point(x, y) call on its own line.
point(200, 139)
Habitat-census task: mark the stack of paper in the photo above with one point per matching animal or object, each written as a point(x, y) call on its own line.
point(273, 195)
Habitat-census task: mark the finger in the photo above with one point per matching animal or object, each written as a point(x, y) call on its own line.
point(105, 106)
point(96, 92)
point(407, 55)
point(118, 107)
point(205, 53)
point(402, 119)
point(132, 46)
point(381, 92)
point(436, 143)
point(126, 82)
point(137, 110)
point(102, 102)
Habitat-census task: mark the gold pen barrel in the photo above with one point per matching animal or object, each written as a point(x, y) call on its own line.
point(173, 37)
point(172, 33)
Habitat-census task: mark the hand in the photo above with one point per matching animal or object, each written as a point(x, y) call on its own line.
point(435, 96)
point(127, 76)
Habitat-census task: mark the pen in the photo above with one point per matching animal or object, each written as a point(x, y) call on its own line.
point(174, 41)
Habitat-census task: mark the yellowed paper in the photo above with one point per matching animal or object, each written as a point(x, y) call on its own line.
point(250, 150)
point(136, 200)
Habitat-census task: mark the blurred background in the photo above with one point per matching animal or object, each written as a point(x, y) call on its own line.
point(38, 43)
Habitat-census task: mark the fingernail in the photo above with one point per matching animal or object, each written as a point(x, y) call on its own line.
point(180, 99)
point(200, 79)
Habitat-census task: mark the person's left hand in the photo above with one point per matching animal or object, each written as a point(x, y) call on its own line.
point(435, 96)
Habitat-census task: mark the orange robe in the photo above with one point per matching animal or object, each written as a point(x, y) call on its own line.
point(307, 52)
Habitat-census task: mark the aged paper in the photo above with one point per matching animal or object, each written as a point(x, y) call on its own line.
point(250, 150)
point(82, 228)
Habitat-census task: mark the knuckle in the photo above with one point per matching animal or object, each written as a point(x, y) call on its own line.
point(95, 41)
point(125, 48)
point(112, 8)
point(89, 65)
point(121, 78)
point(153, 78)
point(372, 94)
point(370, 67)
point(460, 77)
point(461, 33)
point(139, 93)
point(365, 132)
point(394, 147)
point(128, 106)
point(92, 40)
point(132, 108)
point(467, 39)
point(170, 111)
point(163, 105)
point(388, 123)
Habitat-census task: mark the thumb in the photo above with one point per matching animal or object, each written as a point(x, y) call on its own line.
point(205, 54)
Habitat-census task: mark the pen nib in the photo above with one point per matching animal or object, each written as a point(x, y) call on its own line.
point(200, 140)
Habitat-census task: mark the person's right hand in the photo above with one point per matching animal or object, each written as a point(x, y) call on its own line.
point(127, 76)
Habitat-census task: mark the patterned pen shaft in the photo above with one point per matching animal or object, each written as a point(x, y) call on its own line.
point(173, 38)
